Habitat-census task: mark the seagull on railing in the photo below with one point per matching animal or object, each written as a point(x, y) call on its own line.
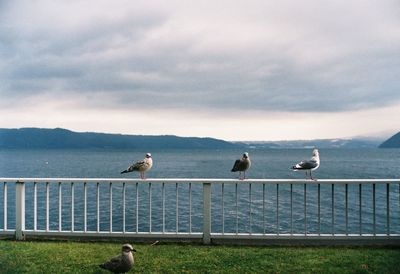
point(141, 166)
point(242, 165)
point(121, 263)
point(309, 165)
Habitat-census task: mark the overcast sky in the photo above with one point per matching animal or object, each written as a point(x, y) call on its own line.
point(236, 70)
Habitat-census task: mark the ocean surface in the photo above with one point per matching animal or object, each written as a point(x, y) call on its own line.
point(267, 163)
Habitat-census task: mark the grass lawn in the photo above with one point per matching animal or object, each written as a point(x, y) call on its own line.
point(84, 257)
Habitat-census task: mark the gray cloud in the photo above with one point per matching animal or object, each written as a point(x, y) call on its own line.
point(258, 56)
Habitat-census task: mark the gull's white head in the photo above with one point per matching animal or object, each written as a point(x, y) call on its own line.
point(148, 155)
point(246, 155)
point(315, 153)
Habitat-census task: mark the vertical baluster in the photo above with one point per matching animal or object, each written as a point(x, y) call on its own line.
point(98, 205)
point(277, 209)
point(177, 208)
point(72, 206)
point(387, 210)
point(250, 208)
point(47, 206)
point(263, 209)
point(360, 207)
point(111, 207)
point(319, 209)
point(5, 205)
point(150, 207)
point(305, 209)
point(237, 209)
point(222, 208)
point(163, 207)
point(206, 213)
point(333, 209)
point(291, 209)
point(34, 206)
point(84, 206)
point(137, 207)
point(373, 208)
point(123, 206)
point(190, 207)
point(59, 207)
point(347, 207)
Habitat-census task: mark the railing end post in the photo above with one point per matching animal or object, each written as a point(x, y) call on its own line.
point(19, 210)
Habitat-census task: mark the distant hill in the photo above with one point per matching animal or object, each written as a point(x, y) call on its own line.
point(392, 142)
point(318, 143)
point(58, 138)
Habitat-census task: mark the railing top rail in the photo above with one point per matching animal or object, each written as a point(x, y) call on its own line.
point(204, 180)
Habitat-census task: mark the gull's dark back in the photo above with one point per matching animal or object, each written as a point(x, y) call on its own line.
point(136, 166)
point(116, 265)
point(240, 165)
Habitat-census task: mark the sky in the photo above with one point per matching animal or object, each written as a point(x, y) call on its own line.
point(235, 70)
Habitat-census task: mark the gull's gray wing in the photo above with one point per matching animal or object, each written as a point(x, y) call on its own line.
point(309, 164)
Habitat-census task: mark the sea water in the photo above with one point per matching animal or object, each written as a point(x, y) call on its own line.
point(266, 164)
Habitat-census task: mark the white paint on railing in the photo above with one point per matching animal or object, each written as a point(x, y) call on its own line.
point(206, 213)
point(98, 207)
point(19, 210)
point(5, 206)
point(277, 209)
point(150, 208)
point(206, 233)
point(84, 207)
point(177, 208)
point(123, 207)
point(205, 180)
point(137, 207)
point(72, 207)
point(47, 206)
point(34, 205)
point(163, 207)
point(59, 207)
point(190, 207)
point(333, 209)
point(111, 207)
point(305, 209)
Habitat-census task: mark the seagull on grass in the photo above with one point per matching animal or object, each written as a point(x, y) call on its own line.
point(141, 166)
point(309, 165)
point(242, 165)
point(121, 263)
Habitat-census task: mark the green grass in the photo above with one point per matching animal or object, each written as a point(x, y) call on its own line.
point(84, 257)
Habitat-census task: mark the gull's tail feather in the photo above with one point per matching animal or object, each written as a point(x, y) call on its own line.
point(296, 167)
point(125, 171)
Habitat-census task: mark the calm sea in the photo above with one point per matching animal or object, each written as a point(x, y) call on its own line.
point(268, 163)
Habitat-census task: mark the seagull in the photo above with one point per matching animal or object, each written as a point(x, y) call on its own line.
point(121, 263)
point(309, 165)
point(141, 166)
point(242, 165)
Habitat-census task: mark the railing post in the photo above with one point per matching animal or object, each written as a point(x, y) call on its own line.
point(19, 210)
point(206, 213)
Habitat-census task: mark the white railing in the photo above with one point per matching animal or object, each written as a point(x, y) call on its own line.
point(208, 210)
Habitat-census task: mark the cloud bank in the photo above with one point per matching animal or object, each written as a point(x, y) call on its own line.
point(205, 57)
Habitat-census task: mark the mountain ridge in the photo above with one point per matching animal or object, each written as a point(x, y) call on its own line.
point(58, 138)
point(392, 142)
